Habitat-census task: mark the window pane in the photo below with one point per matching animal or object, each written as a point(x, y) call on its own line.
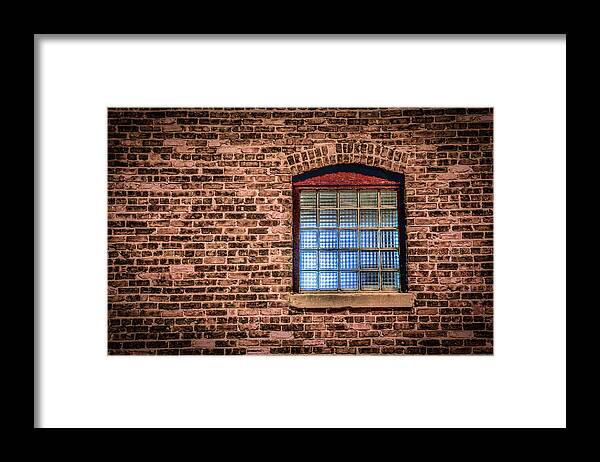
point(328, 239)
point(368, 239)
point(389, 198)
point(327, 198)
point(328, 280)
point(309, 280)
point(328, 218)
point(308, 239)
point(348, 219)
point(360, 265)
point(369, 280)
point(390, 280)
point(348, 199)
point(390, 259)
point(348, 239)
point(348, 281)
point(389, 218)
point(368, 198)
point(389, 239)
point(308, 260)
point(369, 219)
point(328, 260)
point(308, 199)
point(348, 260)
point(369, 259)
point(308, 218)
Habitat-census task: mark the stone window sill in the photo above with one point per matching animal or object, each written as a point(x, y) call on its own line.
point(356, 300)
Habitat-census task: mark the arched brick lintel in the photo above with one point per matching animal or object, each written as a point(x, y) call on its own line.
point(392, 158)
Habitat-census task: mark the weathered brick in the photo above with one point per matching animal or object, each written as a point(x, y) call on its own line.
point(200, 229)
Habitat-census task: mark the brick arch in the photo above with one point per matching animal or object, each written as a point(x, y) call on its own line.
point(392, 158)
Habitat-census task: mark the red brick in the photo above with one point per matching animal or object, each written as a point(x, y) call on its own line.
point(203, 343)
point(200, 223)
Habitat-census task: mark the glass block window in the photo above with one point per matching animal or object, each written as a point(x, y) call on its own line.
point(349, 260)
point(328, 218)
point(369, 280)
point(328, 260)
point(348, 218)
point(328, 280)
point(349, 280)
point(309, 280)
point(348, 240)
point(368, 239)
point(309, 260)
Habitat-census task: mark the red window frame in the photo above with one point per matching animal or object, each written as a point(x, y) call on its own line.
point(348, 177)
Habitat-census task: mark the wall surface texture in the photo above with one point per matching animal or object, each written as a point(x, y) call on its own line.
point(200, 229)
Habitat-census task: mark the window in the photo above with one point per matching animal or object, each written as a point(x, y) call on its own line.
point(349, 231)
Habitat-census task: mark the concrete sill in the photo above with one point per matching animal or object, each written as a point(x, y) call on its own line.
point(361, 300)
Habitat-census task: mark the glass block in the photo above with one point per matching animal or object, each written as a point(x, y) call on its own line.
point(328, 260)
point(390, 280)
point(369, 219)
point(369, 280)
point(308, 218)
point(389, 218)
point(389, 199)
point(388, 239)
point(308, 239)
point(368, 198)
point(368, 239)
point(328, 280)
point(348, 280)
point(348, 218)
point(369, 259)
point(309, 260)
point(348, 199)
point(327, 198)
point(327, 218)
point(308, 199)
point(348, 260)
point(328, 239)
point(348, 239)
point(309, 280)
point(390, 259)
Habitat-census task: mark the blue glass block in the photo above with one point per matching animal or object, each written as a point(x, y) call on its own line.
point(368, 198)
point(348, 260)
point(388, 239)
point(348, 218)
point(348, 281)
point(327, 198)
point(308, 199)
point(328, 259)
point(348, 239)
point(389, 199)
point(389, 218)
point(390, 259)
point(369, 219)
point(308, 239)
point(369, 259)
point(309, 280)
point(328, 239)
point(309, 260)
point(369, 280)
point(328, 280)
point(390, 280)
point(327, 218)
point(348, 199)
point(368, 239)
point(308, 218)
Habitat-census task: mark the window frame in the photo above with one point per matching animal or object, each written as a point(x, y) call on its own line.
point(336, 178)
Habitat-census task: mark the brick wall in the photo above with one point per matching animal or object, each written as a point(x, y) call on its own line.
point(200, 229)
